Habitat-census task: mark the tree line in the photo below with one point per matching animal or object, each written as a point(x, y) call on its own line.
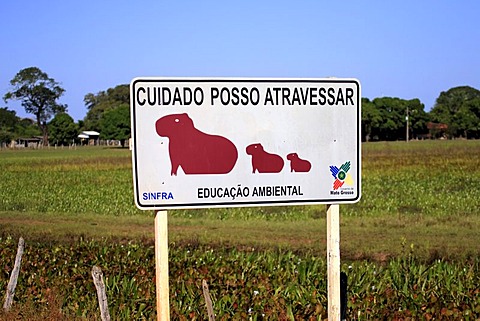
point(456, 113)
point(108, 111)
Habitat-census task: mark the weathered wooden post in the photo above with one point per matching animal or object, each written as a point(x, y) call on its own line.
point(161, 265)
point(208, 301)
point(12, 283)
point(101, 293)
point(333, 262)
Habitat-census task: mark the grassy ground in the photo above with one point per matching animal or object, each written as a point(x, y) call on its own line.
point(372, 238)
point(410, 246)
point(245, 284)
point(421, 193)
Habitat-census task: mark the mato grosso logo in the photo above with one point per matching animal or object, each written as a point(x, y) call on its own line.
point(341, 175)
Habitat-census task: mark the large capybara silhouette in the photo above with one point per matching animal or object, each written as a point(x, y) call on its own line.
point(264, 162)
point(297, 164)
point(195, 151)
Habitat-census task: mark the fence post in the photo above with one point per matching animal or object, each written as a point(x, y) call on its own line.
point(208, 301)
point(102, 295)
point(12, 283)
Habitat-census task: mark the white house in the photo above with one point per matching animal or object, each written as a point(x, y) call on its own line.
point(90, 137)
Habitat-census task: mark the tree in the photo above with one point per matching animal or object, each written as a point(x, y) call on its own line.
point(26, 127)
point(115, 124)
point(417, 118)
point(386, 118)
point(392, 118)
point(63, 129)
point(103, 101)
point(8, 121)
point(459, 108)
point(38, 95)
point(371, 119)
point(8, 118)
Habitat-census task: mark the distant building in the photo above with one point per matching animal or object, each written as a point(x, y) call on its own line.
point(89, 137)
point(34, 142)
point(437, 130)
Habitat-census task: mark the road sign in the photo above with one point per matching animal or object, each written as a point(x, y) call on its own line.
point(228, 142)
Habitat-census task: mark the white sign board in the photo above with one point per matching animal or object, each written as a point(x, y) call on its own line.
point(228, 142)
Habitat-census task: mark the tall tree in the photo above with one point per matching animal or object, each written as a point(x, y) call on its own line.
point(115, 124)
point(63, 129)
point(103, 101)
point(38, 94)
point(459, 108)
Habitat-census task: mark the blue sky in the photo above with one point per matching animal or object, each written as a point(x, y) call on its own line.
point(406, 49)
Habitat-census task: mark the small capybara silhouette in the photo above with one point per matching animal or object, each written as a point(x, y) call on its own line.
point(297, 164)
point(264, 162)
point(195, 151)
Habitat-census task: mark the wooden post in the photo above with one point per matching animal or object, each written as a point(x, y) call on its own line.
point(161, 265)
point(333, 261)
point(97, 276)
point(12, 283)
point(208, 301)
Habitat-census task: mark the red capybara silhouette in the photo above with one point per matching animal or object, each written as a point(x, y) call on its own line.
point(195, 151)
point(264, 162)
point(297, 164)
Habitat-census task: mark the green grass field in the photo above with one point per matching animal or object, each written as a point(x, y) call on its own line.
point(410, 244)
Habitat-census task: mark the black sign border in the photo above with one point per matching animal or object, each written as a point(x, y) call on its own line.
point(249, 203)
